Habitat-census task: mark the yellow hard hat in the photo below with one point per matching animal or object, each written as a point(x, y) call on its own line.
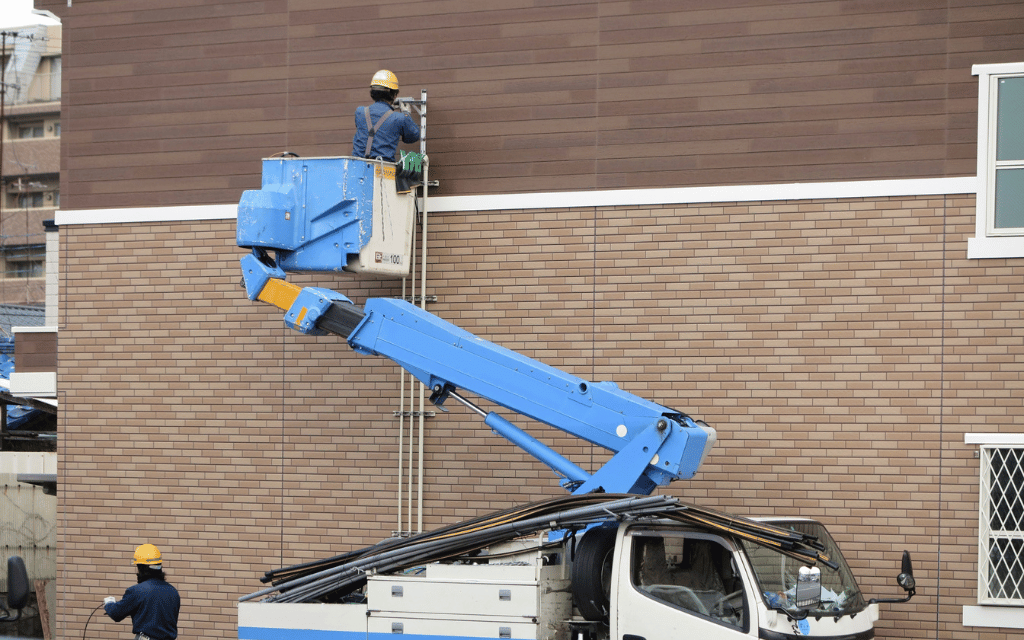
point(147, 554)
point(386, 79)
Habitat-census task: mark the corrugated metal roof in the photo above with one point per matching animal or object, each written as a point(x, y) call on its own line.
point(15, 315)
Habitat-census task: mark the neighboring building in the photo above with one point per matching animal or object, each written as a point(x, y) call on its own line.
point(30, 70)
point(798, 221)
point(30, 173)
point(30, 81)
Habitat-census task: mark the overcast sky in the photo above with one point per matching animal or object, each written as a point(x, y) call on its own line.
point(18, 13)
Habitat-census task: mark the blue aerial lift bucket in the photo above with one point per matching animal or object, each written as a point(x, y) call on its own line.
point(330, 214)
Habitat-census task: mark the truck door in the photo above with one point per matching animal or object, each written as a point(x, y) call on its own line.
point(673, 582)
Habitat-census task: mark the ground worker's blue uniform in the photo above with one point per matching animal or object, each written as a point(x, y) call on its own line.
point(153, 606)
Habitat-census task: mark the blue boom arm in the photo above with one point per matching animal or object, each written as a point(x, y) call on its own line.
point(652, 445)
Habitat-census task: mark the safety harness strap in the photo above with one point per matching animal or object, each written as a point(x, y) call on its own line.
point(371, 129)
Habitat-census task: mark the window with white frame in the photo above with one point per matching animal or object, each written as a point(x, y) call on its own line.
point(1001, 530)
point(999, 230)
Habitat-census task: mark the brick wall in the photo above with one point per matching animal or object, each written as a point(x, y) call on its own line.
point(36, 352)
point(525, 96)
point(840, 348)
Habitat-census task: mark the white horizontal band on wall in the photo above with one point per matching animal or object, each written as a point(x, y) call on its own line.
point(994, 617)
point(575, 199)
point(704, 195)
point(994, 438)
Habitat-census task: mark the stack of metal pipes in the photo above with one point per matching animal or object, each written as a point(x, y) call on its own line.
point(333, 579)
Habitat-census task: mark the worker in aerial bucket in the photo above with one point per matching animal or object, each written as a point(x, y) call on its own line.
point(152, 603)
point(378, 126)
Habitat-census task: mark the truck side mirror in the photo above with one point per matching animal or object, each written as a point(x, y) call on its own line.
point(17, 587)
point(905, 580)
point(906, 577)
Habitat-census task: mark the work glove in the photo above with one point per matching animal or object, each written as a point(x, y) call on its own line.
point(405, 107)
point(109, 600)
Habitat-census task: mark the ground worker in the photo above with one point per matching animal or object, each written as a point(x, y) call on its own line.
point(378, 127)
point(152, 603)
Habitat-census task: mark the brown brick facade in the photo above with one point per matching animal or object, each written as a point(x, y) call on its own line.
point(526, 96)
point(840, 348)
point(36, 352)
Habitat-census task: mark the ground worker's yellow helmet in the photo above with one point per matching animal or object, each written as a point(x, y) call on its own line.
point(386, 79)
point(147, 554)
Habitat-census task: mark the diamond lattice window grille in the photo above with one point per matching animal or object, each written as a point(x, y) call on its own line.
point(1001, 530)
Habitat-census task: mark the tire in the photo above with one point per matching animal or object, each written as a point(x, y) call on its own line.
point(592, 573)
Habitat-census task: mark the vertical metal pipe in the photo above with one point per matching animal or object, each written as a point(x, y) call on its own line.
point(401, 432)
point(411, 410)
point(423, 291)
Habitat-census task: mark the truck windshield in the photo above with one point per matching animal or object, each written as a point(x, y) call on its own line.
point(776, 574)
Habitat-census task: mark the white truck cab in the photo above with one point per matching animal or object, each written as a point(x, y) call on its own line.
point(670, 580)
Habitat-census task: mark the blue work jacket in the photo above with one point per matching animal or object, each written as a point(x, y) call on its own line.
point(153, 606)
point(398, 126)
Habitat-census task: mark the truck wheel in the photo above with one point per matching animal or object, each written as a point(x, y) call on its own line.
point(592, 573)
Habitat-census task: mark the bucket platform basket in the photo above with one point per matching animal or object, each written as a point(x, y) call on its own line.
point(330, 214)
